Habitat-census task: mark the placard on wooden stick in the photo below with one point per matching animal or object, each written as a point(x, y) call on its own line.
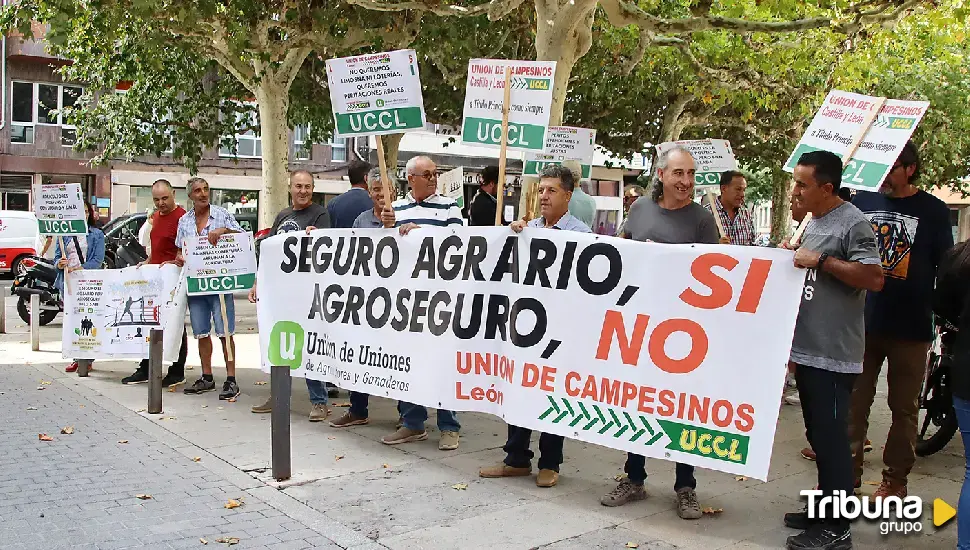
point(389, 193)
point(503, 146)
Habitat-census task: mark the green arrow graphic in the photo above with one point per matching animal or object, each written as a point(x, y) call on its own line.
point(553, 408)
point(605, 420)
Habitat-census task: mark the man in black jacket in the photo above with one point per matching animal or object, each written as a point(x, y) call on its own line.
point(481, 211)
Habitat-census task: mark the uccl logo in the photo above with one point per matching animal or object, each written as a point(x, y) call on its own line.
point(895, 515)
point(358, 105)
point(286, 344)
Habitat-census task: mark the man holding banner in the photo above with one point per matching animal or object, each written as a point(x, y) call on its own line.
point(302, 215)
point(839, 251)
point(671, 216)
point(211, 221)
point(555, 189)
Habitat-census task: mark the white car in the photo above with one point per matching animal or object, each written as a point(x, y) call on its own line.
point(19, 238)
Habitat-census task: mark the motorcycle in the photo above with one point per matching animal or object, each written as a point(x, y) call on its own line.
point(936, 397)
point(37, 277)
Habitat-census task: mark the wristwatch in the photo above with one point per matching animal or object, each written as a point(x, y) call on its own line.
point(821, 259)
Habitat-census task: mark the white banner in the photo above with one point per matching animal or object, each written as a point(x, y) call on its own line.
point(530, 95)
point(376, 94)
point(222, 269)
point(712, 158)
point(110, 312)
point(676, 352)
point(60, 209)
point(839, 120)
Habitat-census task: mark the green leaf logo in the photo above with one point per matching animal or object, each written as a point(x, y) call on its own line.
point(286, 344)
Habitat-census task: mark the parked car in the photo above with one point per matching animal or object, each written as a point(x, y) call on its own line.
point(19, 239)
point(119, 230)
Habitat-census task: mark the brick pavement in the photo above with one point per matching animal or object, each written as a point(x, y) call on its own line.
point(79, 491)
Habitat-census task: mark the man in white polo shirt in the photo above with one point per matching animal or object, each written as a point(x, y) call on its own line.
point(422, 206)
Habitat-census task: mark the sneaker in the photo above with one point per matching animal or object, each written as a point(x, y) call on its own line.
point(793, 399)
point(404, 435)
point(687, 505)
point(319, 412)
point(626, 491)
point(799, 520)
point(266, 407)
point(808, 453)
point(348, 420)
point(547, 478)
point(448, 441)
point(230, 389)
point(200, 386)
point(332, 390)
point(821, 536)
point(172, 379)
point(867, 447)
point(889, 489)
point(137, 377)
point(504, 470)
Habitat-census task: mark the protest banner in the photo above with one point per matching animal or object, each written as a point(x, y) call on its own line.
point(843, 115)
point(452, 185)
point(563, 143)
point(712, 157)
point(222, 269)
point(530, 95)
point(111, 312)
point(60, 209)
point(620, 343)
point(376, 94)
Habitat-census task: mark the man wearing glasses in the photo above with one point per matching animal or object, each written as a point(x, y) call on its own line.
point(422, 206)
point(912, 233)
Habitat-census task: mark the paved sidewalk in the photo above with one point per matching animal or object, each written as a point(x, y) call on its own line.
point(414, 496)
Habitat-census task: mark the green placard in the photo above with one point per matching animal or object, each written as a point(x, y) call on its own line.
point(489, 132)
point(858, 173)
point(220, 284)
point(62, 227)
point(384, 121)
point(707, 443)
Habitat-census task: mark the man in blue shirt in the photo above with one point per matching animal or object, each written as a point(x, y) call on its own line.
point(555, 189)
point(344, 209)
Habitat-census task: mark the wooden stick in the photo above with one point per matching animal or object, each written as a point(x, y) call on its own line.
point(225, 326)
point(385, 181)
point(67, 283)
point(717, 215)
point(801, 229)
point(861, 133)
point(500, 196)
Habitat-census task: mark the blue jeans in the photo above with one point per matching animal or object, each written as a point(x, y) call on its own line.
point(415, 416)
point(963, 520)
point(318, 392)
point(203, 310)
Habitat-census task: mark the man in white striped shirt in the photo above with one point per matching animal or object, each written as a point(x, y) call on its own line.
point(422, 206)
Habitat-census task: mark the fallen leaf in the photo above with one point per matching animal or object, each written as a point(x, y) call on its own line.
point(619, 477)
point(171, 389)
point(197, 459)
point(143, 497)
point(632, 545)
point(740, 478)
point(331, 437)
point(387, 465)
point(31, 408)
point(205, 406)
point(340, 404)
point(232, 504)
point(80, 406)
point(203, 541)
point(46, 382)
point(228, 540)
point(712, 511)
point(123, 441)
point(460, 486)
point(873, 483)
point(260, 383)
point(338, 457)
point(189, 367)
point(220, 408)
point(44, 437)
point(67, 430)
point(231, 400)
point(140, 410)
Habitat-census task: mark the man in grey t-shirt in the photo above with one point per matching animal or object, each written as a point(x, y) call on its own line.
point(669, 215)
point(839, 251)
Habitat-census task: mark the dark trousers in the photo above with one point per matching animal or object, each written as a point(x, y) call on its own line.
point(825, 397)
point(518, 454)
point(636, 471)
point(178, 367)
point(359, 401)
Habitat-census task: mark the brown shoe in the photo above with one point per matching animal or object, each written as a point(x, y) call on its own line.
point(503, 470)
point(889, 489)
point(808, 453)
point(448, 441)
point(547, 478)
point(266, 407)
point(404, 435)
point(348, 420)
point(319, 412)
point(625, 491)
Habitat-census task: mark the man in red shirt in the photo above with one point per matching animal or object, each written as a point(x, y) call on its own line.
point(165, 223)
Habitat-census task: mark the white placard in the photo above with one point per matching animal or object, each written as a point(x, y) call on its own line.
point(452, 185)
point(60, 209)
point(222, 269)
point(712, 158)
point(563, 143)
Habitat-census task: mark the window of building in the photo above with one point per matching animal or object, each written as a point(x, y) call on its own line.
point(338, 149)
point(248, 144)
point(301, 147)
point(35, 103)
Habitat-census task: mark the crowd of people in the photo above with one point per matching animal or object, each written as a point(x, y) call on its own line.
point(871, 266)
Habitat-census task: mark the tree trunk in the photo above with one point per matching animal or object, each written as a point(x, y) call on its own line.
point(274, 132)
point(780, 206)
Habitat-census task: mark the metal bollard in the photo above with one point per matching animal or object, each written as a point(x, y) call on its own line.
point(3, 309)
point(155, 342)
point(34, 322)
point(84, 367)
point(280, 421)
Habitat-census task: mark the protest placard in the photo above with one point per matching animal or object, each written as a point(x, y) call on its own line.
point(452, 185)
point(60, 209)
point(222, 269)
point(376, 94)
point(563, 143)
point(111, 312)
point(842, 117)
point(530, 96)
point(620, 343)
point(712, 157)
